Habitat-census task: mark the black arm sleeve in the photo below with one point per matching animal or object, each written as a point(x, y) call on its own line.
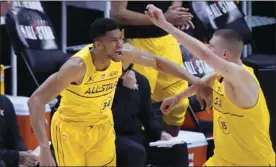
point(10, 157)
point(123, 103)
point(147, 116)
point(13, 139)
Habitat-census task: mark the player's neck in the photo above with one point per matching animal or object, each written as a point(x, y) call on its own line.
point(236, 61)
point(100, 60)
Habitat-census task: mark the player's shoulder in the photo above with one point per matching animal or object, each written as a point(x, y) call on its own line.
point(74, 64)
point(85, 51)
point(73, 69)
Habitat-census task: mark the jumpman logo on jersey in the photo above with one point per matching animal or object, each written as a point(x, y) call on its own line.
point(1, 112)
point(90, 79)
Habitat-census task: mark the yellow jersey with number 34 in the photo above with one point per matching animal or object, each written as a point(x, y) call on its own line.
point(241, 136)
point(91, 101)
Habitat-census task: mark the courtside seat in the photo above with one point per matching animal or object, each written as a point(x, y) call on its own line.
point(34, 42)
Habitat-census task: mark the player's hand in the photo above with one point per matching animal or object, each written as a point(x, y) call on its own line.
point(176, 14)
point(129, 80)
point(165, 136)
point(46, 158)
point(27, 159)
point(179, 16)
point(169, 103)
point(156, 15)
point(186, 26)
point(204, 94)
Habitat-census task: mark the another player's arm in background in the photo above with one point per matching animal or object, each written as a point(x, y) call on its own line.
point(159, 63)
point(241, 80)
point(122, 15)
point(72, 71)
point(175, 14)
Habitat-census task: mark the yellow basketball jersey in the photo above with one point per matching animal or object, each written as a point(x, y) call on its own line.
point(91, 101)
point(241, 135)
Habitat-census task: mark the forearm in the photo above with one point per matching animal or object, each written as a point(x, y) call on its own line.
point(169, 67)
point(37, 110)
point(127, 17)
point(196, 47)
point(190, 91)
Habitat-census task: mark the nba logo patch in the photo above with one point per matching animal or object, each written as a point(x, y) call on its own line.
point(102, 77)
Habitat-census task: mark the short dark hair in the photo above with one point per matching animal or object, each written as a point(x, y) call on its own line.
point(100, 26)
point(232, 38)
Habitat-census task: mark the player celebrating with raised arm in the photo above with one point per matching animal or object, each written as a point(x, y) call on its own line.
point(241, 117)
point(82, 128)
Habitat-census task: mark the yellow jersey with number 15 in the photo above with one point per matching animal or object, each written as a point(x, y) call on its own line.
point(91, 101)
point(241, 136)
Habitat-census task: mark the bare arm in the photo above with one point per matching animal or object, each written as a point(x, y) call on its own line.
point(72, 71)
point(231, 72)
point(243, 83)
point(209, 79)
point(159, 63)
point(204, 90)
point(123, 16)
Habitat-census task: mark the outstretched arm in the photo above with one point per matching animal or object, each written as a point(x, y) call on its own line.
point(243, 83)
point(232, 72)
point(136, 56)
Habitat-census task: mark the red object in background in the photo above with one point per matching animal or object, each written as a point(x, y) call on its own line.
point(202, 115)
point(197, 155)
point(27, 132)
point(4, 8)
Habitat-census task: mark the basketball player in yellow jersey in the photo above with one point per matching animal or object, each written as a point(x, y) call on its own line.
point(144, 35)
point(241, 117)
point(82, 128)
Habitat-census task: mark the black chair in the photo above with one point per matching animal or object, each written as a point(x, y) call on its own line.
point(33, 39)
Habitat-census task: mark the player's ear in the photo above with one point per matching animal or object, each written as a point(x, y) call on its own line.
point(98, 45)
point(226, 53)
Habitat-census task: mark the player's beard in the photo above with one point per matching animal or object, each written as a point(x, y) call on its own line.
point(110, 56)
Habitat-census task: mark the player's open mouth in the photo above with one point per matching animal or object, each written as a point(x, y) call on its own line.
point(119, 52)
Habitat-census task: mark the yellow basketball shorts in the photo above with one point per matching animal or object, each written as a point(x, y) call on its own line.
point(163, 85)
point(83, 145)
